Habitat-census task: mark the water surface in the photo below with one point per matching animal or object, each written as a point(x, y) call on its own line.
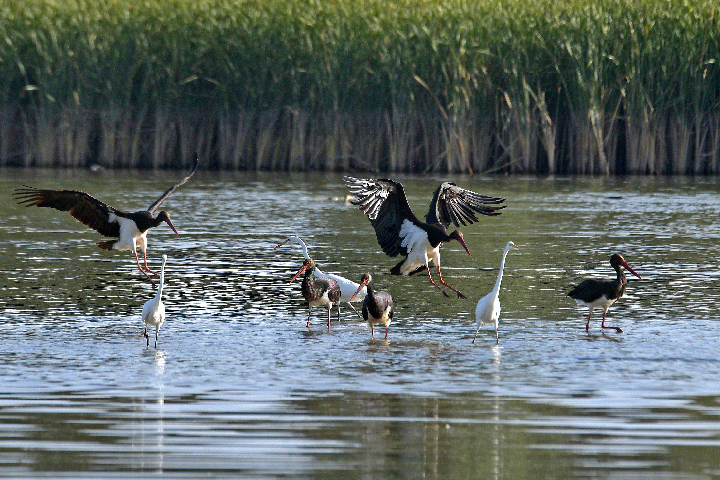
point(239, 387)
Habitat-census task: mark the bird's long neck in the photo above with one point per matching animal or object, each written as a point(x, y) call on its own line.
point(162, 281)
point(621, 275)
point(370, 290)
point(302, 245)
point(496, 289)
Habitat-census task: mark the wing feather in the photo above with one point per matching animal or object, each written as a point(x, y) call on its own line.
point(385, 204)
point(170, 190)
point(83, 207)
point(452, 204)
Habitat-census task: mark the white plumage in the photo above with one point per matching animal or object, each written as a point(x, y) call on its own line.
point(153, 312)
point(347, 287)
point(488, 308)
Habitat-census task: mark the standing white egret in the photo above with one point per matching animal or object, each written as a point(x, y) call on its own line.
point(347, 287)
point(154, 310)
point(488, 308)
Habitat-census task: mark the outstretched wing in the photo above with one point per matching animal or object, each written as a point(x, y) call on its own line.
point(167, 193)
point(83, 207)
point(384, 202)
point(452, 204)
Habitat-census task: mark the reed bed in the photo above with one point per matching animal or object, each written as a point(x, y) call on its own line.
point(566, 86)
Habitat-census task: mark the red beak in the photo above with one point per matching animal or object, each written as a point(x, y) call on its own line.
point(362, 284)
point(462, 242)
point(304, 267)
point(624, 264)
point(167, 220)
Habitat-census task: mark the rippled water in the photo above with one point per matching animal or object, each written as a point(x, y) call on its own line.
point(238, 387)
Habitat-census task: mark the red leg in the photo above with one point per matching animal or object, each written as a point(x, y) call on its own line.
point(460, 295)
point(309, 312)
point(372, 331)
point(140, 268)
point(618, 329)
point(587, 325)
point(329, 307)
point(146, 265)
point(386, 329)
point(433, 282)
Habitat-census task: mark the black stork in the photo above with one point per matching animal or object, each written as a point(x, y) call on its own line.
point(130, 229)
point(318, 290)
point(399, 231)
point(377, 307)
point(601, 293)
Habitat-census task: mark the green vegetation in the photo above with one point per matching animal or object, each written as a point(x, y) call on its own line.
point(566, 86)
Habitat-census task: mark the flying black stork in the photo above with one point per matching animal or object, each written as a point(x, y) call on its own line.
point(130, 229)
point(377, 307)
point(399, 231)
point(601, 293)
point(318, 290)
point(348, 288)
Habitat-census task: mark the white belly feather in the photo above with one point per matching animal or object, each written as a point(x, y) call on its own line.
point(130, 236)
point(420, 252)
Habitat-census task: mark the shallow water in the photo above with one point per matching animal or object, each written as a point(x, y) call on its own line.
point(238, 387)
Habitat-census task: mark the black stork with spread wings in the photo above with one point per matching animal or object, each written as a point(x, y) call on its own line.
point(130, 229)
point(399, 231)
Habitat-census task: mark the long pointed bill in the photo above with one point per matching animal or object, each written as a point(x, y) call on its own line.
point(624, 264)
point(362, 285)
point(462, 242)
point(278, 246)
point(167, 220)
point(304, 267)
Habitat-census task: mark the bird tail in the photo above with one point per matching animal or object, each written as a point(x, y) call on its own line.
point(396, 269)
point(107, 244)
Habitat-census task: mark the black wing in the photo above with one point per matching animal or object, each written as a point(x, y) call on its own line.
point(452, 204)
point(85, 208)
point(384, 202)
point(167, 193)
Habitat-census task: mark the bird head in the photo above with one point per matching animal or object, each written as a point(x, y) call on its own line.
point(163, 216)
point(457, 235)
point(364, 280)
point(617, 260)
point(511, 245)
point(308, 264)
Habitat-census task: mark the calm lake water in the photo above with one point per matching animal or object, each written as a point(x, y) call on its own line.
point(239, 387)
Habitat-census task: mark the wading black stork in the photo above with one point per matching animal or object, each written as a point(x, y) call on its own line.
point(398, 231)
point(377, 306)
point(348, 288)
point(130, 229)
point(318, 290)
point(601, 293)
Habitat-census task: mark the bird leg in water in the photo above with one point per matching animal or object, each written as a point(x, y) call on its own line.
point(617, 329)
point(587, 325)
point(309, 312)
point(433, 281)
point(460, 295)
point(330, 308)
point(147, 337)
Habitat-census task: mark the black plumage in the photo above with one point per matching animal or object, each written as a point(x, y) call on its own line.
point(103, 218)
point(398, 230)
point(318, 290)
point(377, 307)
point(603, 292)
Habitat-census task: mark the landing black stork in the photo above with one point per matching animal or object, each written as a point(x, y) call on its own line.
point(318, 290)
point(601, 293)
point(377, 307)
point(129, 228)
point(398, 231)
